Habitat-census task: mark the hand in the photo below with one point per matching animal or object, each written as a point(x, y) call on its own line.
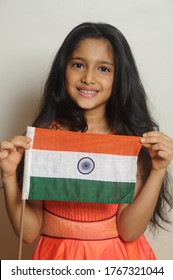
point(160, 148)
point(11, 152)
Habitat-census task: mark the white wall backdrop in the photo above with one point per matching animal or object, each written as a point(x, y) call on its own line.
point(30, 34)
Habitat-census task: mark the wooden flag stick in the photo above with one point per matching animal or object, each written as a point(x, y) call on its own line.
point(21, 230)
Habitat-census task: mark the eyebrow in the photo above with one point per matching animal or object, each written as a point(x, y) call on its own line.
point(82, 59)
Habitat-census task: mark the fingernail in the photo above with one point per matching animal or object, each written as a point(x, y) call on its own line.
point(142, 140)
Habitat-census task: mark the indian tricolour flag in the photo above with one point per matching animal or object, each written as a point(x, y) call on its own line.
point(85, 167)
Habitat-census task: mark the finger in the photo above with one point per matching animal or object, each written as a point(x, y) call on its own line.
point(148, 146)
point(164, 145)
point(20, 151)
point(157, 139)
point(15, 143)
point(154, 133)
point(21, 141)
point(158, 135)
point(160, 147)
point(165, 155)
point(7, 146)
point(4, 155)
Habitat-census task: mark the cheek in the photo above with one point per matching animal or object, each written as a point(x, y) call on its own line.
point(71, 78)
point(107, 84)
point(67, 77)
point(70, 83)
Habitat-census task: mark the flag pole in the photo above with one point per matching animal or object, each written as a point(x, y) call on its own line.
point(21, 230)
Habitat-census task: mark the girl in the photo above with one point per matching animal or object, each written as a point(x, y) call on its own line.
point(94, 87)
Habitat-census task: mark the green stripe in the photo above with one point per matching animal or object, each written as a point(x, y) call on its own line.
point(80, 190)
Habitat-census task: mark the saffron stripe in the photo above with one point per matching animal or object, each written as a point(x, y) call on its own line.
point(46, 139)
point(80, 190)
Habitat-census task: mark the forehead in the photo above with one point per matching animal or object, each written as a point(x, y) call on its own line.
point(94, 47)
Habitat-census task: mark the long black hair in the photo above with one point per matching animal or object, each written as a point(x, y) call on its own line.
point(126, 110)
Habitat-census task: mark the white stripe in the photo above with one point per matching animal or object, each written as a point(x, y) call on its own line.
point(30, 132)
point(60, 164)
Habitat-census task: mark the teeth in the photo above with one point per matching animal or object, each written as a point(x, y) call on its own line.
point(88, 91)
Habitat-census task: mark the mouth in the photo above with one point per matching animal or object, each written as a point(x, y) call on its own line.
point(87, 92)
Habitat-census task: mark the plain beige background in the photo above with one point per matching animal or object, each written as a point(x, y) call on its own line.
point(32, 31)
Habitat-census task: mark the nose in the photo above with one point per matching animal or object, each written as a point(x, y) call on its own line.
point(88, 77)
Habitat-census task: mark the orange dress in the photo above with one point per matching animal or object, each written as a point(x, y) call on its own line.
point(59, 244)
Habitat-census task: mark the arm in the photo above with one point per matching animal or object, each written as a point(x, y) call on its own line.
point(132, 219)
point(11, 153)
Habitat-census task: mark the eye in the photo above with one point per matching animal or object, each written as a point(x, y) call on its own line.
point(104, 69)
point(77, 65)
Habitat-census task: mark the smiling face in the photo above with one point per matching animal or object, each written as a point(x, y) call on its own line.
point(90, 74)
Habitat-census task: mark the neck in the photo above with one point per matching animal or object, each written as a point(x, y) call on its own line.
point(97, 123)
